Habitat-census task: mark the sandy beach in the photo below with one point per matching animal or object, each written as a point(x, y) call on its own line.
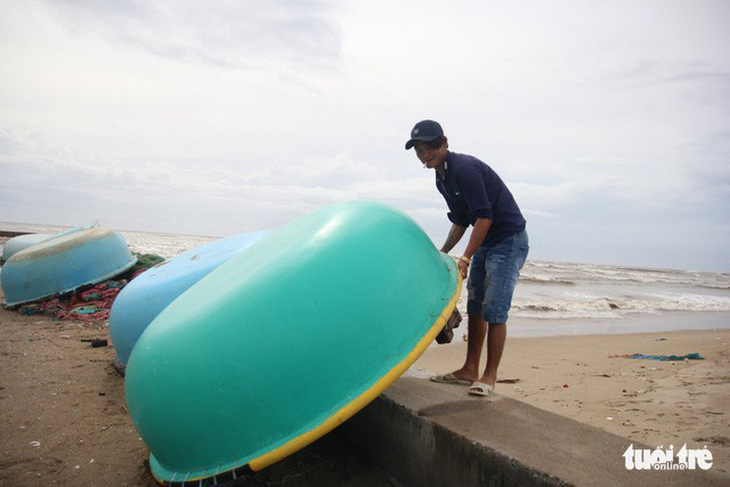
point(63, 419)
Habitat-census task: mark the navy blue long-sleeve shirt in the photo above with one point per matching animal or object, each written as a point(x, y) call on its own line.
point(473, 190)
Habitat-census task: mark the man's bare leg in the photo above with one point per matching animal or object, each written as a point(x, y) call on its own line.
point(496, 338)
point(477, 332)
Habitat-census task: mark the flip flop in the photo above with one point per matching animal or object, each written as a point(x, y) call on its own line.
point(448, 379)
point(480, 389)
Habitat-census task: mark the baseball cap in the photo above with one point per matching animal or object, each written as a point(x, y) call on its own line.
point(425, 130)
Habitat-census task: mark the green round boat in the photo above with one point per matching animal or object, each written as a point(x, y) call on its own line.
point(287, 340)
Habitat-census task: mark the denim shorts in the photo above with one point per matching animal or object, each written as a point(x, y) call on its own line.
point(493, 277)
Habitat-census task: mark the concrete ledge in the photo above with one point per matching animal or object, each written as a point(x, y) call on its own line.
point(425, 433)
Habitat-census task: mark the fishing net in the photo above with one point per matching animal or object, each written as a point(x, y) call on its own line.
point(90, 303)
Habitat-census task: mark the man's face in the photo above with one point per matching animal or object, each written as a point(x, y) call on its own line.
point(431, 158)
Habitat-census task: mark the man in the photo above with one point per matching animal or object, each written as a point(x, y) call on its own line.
point(496, 250)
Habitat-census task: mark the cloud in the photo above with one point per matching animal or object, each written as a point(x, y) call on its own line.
point(84, 181)
point(246, 34)
point(316, 172)
point(199, 117)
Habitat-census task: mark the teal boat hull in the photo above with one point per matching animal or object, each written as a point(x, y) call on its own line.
point(286, 340)
point(149, 293)
point(63, 264)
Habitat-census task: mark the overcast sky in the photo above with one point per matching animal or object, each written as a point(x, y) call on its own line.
point(609, 120)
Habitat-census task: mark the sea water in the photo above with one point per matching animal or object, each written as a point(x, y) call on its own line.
point(555, 290)
point(561, 298)
point(557, 298)
point(554, 297)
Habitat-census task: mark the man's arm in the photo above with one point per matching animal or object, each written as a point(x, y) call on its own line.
point(478, 233)
point(455, 234)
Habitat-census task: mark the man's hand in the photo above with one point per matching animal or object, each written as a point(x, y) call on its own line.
point(463, 268)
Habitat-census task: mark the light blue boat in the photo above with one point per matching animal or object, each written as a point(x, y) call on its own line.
point(149, 293)
point(63, 264)
point(22, 242)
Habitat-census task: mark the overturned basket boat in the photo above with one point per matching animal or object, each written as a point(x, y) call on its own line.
point(22, 242)
point(63, 264)
point(25, 241)
point(285, 341)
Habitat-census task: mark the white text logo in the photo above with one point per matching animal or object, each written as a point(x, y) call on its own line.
point(660, 459)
